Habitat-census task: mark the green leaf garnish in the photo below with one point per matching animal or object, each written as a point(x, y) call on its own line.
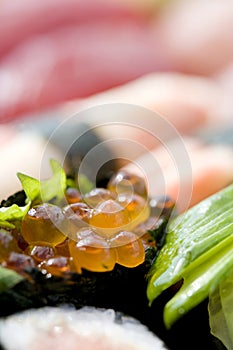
point(47, 189)
point(12, 213)
point(8, 279)
point(43, 191)
point(31, 186)
point(56, 185)
point(6, 224)
point(198, 250)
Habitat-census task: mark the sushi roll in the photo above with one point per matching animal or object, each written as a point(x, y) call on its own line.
point(66, 328)
point(91, 246)
point(97, 264)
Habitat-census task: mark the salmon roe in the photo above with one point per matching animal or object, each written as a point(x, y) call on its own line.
point(92, 232)
point(7, 244)
point(41, 225)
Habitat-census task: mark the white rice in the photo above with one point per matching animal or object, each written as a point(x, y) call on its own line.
point(68, 329)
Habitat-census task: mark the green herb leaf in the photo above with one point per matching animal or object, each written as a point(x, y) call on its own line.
point(14, 212)
point(195, 243)
point(6, 224)
point(35, 190)
point(46, 189)
point(30, 185)
point(56, 185)
point(8, 279)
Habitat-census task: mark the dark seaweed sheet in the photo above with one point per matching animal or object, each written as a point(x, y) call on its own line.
point(16, 198)
point(122, 289)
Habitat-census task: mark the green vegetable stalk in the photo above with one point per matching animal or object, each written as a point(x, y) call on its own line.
point(198, 251)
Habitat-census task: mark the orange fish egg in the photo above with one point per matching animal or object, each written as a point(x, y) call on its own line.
point(7, 244)
point(18, 261)
point(109, 217)
point(57, 266)
point(77, 216)
point(129, 249)
point(98, 195)
point(73, 195)
point(137, 207)
point(91, 252)
point(42, 225)
point(124, 182)
point(39, 253)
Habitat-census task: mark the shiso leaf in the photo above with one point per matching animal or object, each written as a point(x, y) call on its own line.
point(221, 312)
point(31, 186)
point(6, 224)
point(52, 189)
point(56, 185)
point(43, 190)
point(198, 250)
point(46, 189)
point(8, 279)
point(14, 212)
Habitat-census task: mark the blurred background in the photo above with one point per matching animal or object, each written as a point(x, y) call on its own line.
point(60, 57)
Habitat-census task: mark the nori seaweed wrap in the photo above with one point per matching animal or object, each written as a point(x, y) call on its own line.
point(48, 274)
point(34, 274)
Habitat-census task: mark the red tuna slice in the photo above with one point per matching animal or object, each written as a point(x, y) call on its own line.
point(76, 62)
point(22, 19)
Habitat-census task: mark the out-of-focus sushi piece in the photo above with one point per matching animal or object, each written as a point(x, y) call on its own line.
point(70, 329)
